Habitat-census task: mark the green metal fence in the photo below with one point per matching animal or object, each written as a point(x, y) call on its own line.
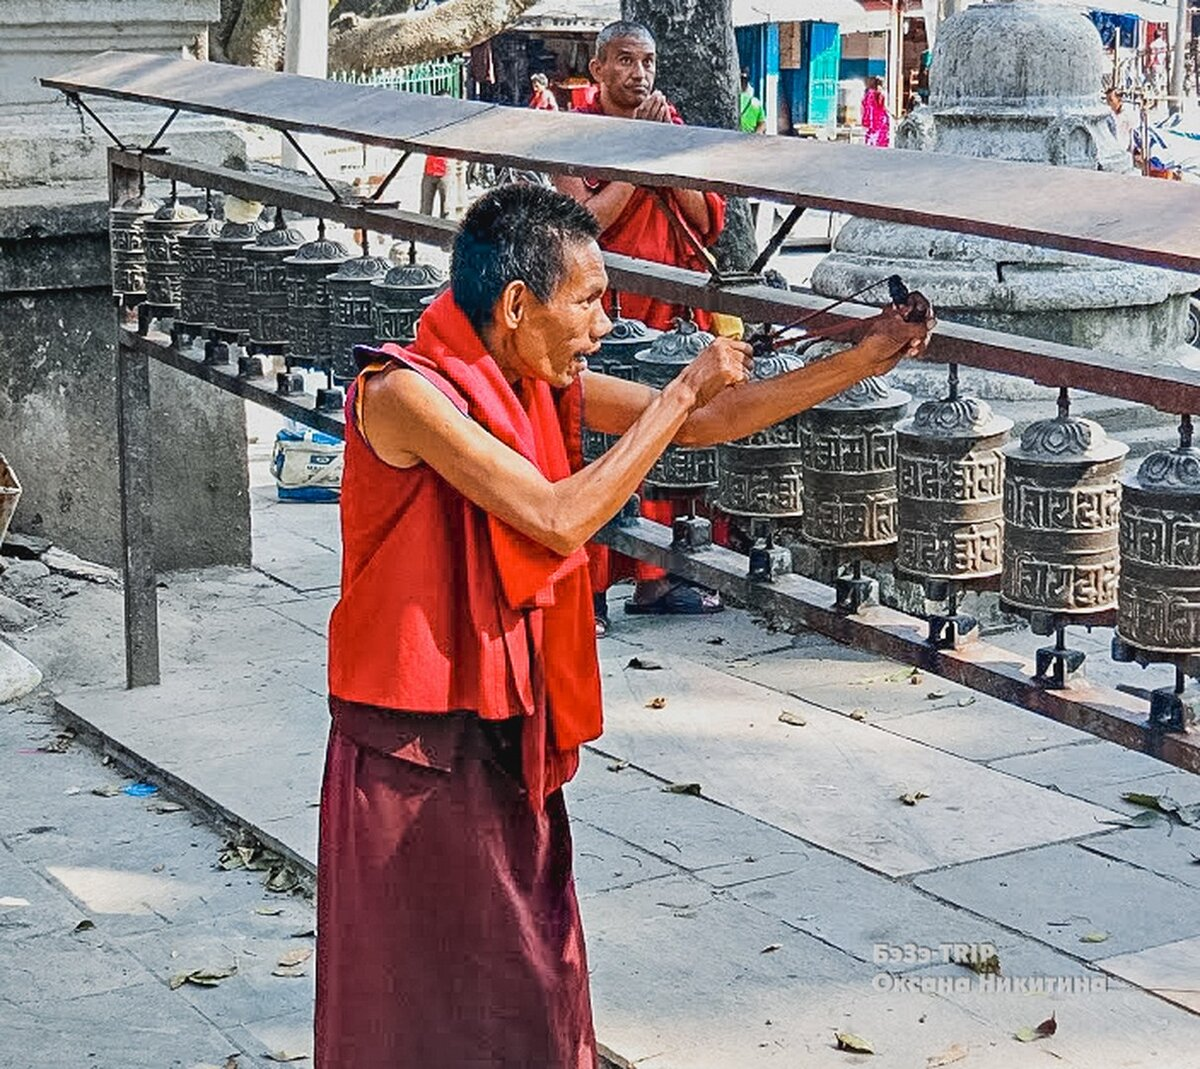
point(446, 76)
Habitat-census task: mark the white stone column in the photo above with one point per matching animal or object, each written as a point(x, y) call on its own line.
point(307, 52)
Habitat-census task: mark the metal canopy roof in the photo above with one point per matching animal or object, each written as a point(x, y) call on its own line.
point(1123, 217)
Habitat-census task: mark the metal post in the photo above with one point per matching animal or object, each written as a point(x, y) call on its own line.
point(1178, 56)
point(137, 498)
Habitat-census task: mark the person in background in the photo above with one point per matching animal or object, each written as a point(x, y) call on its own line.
point(634, 222)
point(752, 115)
point(875, 118)
point(542, 99)
point(1123, 121)
point(435, 186)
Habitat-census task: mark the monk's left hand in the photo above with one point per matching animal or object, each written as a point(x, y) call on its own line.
point(654, 108)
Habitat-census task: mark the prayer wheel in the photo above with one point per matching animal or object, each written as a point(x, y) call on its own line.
point(397, 299)
point(350, 290)
point(198, 279)
point(950, 475)
point(1158, 611)
point(127, 241)
point(309, 343)
point(679, 470)
point(1062, 497)
point(848, 463)
point(267, 285)
point(164, 268)
point(615, 357)
point(232, 274)
point(761, 477)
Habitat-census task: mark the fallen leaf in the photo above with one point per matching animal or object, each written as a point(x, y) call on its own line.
point(716, 640)
point(1047, 1028)
point(1141, 820)
point(1196, 859)
point(285, 1055)
point(269, 911)
point(109, 790)
point(618, 766)
point(858, 714)
point(84, 925)
point(1138, 798)
point(73, 791)
point(289, 970)
point(934, 695)
point(949, 1056)
point(9, 902)
point(158, 868)
point(913, 797)
point(915, 677)
point(682, 788)
point(968, 700)
point(795, 719)
point(166, 807)
point(770, 948)
point(304, 933)
point(282, 880)
point(231, 1062)
point(983, 965)
point(295, 957)
point(1094, 937)
point(849, 1041)
point(644, 664)
point(201, 977)
point(657, 703)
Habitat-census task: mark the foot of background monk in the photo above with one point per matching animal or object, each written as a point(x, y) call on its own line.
point(672, 597)
point(600, 609)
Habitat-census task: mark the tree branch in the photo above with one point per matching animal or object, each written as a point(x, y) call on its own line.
point(358, 44)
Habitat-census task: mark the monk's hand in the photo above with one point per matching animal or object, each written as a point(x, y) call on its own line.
point(722, 364)
point(654, 108)
point(890, 337)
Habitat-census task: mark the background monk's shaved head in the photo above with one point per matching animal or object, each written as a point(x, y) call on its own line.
point(514, 233)
point(617, 31)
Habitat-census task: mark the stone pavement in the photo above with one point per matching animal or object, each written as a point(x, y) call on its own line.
point(740, 927)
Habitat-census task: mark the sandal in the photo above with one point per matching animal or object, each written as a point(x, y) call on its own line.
point(602, 626)
point(682, 599)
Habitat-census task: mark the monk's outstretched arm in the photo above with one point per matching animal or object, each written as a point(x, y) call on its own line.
point(408, 421)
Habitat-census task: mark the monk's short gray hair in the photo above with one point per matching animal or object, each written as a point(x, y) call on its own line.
point(617, 31)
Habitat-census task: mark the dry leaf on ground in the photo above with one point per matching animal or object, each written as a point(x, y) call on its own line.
point(285, 1055)
point(657, 703)
point(304, 933)
point(618, 766)
point(11, 901)
point(84, 925)
point(109, 790)
point(1047, 1028)
point(858, 714)
point(795, 719)
point(1094, 937)
point(770, 948)
point(202, 977)
point(954, 1053)
point(644, 664)
point(934, 695)
point(849, 1041)
point(269, 911)
point(913, 797)
point(295, 957)
point(289, 970)
point(983, 964)
point(682, 788)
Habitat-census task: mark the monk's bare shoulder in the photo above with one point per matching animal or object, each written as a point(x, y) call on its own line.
point(400, 410)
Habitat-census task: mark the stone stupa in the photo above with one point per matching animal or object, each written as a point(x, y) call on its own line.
point(1017, 80)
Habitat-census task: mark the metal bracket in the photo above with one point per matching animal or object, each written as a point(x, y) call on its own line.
point(777, 239)
point(690, 533)
point(853, 591)
point(333, 192)
point(149, 150)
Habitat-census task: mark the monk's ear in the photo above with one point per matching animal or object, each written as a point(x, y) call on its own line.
point(595, 65)
point(513, 304)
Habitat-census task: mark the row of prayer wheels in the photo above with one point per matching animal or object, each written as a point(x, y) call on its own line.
point(1049, 518)
point(263, 286)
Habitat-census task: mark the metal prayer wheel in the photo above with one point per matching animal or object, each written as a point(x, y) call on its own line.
point(350, 290)
point(397, 299)
point(198, 279)
point(309, 343)
point(848, 457)
point(1158, 611)
point(232, 271)
point(266, 284)
point(616, 356)
point(1062, 500)
point(761, 476)
point(164, 268)
point(950, 476)
point(127, 242)
point(678, 469)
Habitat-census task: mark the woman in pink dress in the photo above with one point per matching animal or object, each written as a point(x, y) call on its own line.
point(875, 117)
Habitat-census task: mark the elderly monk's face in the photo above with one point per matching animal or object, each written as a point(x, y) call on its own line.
point(553, 339)
point(626, 72)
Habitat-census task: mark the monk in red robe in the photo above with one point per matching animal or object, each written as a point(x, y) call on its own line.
point(635, 222)
point(462, 661)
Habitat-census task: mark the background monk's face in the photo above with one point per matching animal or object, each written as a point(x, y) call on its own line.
point(625, 74)
point(553, 339)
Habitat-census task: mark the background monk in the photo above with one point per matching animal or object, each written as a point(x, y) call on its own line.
point(462, 662)
point(634, 222)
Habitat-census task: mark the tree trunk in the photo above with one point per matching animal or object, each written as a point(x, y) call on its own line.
point(250, 33)
point(698, 72)
point(360, 44)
